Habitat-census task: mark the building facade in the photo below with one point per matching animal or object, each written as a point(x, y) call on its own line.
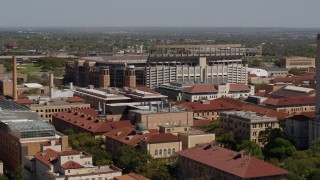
point(204, 63)
point(297, 129)
point(247, 125)
point(21, 134)
point(69, 164)
point(153, 117)
point(297, 62)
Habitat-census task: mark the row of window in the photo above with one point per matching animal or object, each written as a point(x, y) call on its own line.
point(164, 152)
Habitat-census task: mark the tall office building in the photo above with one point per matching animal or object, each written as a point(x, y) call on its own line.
point(314, 124)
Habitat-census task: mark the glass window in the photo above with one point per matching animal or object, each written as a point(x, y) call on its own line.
point(156, 152)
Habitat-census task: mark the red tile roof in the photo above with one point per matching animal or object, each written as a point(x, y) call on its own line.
point(231, 162)
point(47, 157)
point(263, 111)
point(311, 114)
point(201, 88)
point(290, 101)
point(89, 123)
point(239, 87)
point(153, 131)
point(252, 75)
point(48, 143)
point(75, 99)
point(130, 176)
point(71, 165)
point(24, 101)
point(214, 105)
point(126, 135)
point(161, 138)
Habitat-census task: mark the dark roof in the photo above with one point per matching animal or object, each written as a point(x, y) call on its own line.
point(290, 101)
point(47, 157)
point(68, 153)
point(300, 117)
point(232, 162)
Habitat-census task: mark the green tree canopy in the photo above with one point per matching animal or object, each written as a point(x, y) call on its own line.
point(253, 148)
point(86, 142)
point(279, 148)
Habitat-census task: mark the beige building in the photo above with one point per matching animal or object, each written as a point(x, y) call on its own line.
point(210, 161)
point(292, 105)
point(298, 62)
point(70, 164)
point(153, 117)
point(246, 124)
point(158, 145)
point(46, 108)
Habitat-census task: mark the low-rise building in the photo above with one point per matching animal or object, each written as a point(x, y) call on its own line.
point(86, 121)
point(292, 91)
point(69, 164)
point(45, 107)
point(292, 105)
point(297, 129)
point(210, 161)
point(158, 145)
point(198, 92)
point(208, 109)
point(153, 117)
point(246, 125)
point(190, 137)
point(297, 62)
point(21, 134)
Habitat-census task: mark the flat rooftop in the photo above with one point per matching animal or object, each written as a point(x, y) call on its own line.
point(99, 93)
point(158, 110)
point(249, 115)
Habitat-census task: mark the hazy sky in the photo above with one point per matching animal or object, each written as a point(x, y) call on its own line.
point(189, 13)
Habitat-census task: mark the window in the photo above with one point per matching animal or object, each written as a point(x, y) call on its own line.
point(165, 152)
point(156, 152)
point(173, 150)
point(160, 152)
point(169, 151)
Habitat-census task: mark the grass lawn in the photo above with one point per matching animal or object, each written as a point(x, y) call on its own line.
point(25, 68)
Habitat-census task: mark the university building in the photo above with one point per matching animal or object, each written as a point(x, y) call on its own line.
point(214, 64)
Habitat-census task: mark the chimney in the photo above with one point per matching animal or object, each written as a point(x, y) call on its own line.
point(14, 77)
point(51, 85)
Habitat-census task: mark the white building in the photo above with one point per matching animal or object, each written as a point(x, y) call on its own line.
point(211, 92)
point(53, 165)
point(261, 73)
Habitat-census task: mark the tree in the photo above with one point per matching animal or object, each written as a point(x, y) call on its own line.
point(295, 71)
point(3, 177)
point(140, 161)
point(19, 173)
point(94, 146)
point(253, 148)
point(269, 134)
point(132, 160)
point(279, 148)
